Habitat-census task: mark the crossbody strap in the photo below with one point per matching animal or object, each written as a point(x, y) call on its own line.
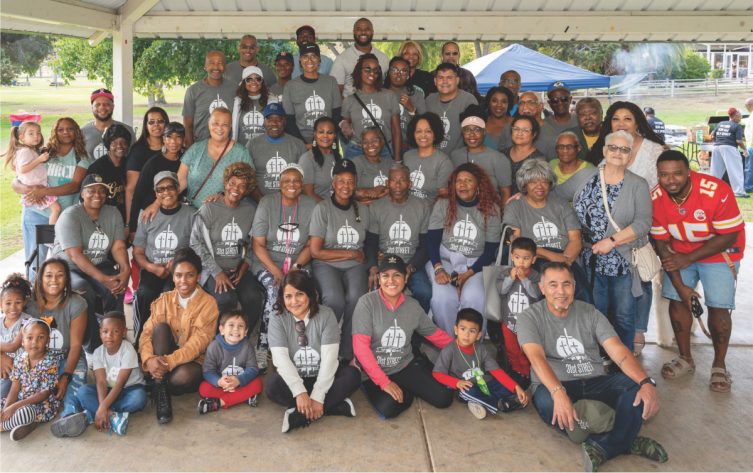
point(213, 167)
point(603, 185)
point(373, 120)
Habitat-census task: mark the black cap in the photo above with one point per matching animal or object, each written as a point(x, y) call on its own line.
point(390, 261)
point(305, 28)
point(344, 165)
point(309, 48)
point(649, 111)
point(284, 56)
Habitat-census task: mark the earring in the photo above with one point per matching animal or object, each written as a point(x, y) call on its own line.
point(313, 144)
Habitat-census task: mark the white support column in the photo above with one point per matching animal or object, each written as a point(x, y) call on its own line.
point(122, 72)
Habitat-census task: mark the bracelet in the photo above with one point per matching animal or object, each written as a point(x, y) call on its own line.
point(558, 388)
point(611, 238)
point(439, 269)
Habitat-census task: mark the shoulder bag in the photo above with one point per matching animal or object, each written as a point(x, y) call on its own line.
point(373, 120)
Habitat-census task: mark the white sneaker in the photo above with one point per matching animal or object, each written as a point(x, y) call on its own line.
point(478, 411)
point(262, 353)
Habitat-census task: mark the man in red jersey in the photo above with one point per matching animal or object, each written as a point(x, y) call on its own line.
point(700, 235)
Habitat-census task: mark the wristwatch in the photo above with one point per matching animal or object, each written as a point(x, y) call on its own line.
point(67, 376)
point(647, 380)
point(297, 266)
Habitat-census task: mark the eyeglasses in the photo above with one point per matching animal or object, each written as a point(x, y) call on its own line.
point(516, 129)
point(472, 129)
point(452, 53)
point(561, 99)
point(288, 227)
point(249, 79)
point(621, 149)
point(528, 102)
point(369, 70)
point(399, 72)
point(163, 189)
point(565, 147)
point(155, 122)
point(300, 329)
point(510, 81)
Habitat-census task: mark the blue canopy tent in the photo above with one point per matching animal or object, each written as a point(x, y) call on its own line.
point(537, 71)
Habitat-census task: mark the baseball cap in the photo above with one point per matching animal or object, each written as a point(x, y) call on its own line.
point(648, 110)
point(391, 261)
point(250, 70)
point(284, 56)
point(93, 180)
point(305, 28)
point(344, 165)
point(595, 418)
point(290, 166)
point(309, 48)
point(274, 108)
point(558, 85)
point(165, 175)
point(102, 92)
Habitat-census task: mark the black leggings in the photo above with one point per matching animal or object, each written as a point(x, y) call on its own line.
point(150, 288)
point(415, 380)
point(347, 380)
point(184, 378)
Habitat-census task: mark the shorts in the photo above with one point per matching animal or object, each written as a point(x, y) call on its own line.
point(716, 279)
point(44, 205)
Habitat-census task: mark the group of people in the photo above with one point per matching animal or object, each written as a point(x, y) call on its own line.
point(347, 212)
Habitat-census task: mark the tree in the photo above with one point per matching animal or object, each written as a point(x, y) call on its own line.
point(696, 66)
point(22, 53)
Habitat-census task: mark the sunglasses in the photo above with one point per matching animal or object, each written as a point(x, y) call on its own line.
point(399, 72)
point(252, 79)
point(163, 189)
point(560, 99)
point(621, 149)
point(155, 122)
point(472, 129)
point(300, 329)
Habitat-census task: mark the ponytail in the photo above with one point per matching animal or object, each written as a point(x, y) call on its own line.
point(15, 143)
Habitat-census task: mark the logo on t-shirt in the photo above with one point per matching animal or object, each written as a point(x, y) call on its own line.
point(376, 112)
point(517, 302)
point(56, 339)
point(232, 369)
point(468, 374)
point(465, 229)
point(573, 355)
point(217, 103)
point(347, 236)
point(547, 234)
point(314, 104)
point(112, 375)
point(400, 232)
point(446, 126)
point(288, 232)
point(306, 359)
point(231, 234)
point(393, 339)
point(417, 179)
point(253, 123)
point(99, 151)
point(273, 168)
point(166, 240)
point(98, 244)
point(380, 179)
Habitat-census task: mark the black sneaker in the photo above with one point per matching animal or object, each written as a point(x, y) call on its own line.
point(164, 404)
point(345, 408)
point(209, 404)
point(69, 426)
point(509, 404)
point(293, 420)
point(253, 401)
point(21, 431)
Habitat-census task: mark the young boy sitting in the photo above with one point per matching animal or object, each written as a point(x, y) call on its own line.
point(230, 369)
point(119, 384)
point(466, 365)
point(518, 287)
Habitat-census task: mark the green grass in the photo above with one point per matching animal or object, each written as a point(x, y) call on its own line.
point(73, 101)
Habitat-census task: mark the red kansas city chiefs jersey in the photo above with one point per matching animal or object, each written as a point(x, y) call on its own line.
point(711, 209)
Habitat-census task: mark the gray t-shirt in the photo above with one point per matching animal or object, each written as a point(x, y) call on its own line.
point(75, 228)
point(340, 229)
point(550, 130)
point(319, 176)
point(276, 90)
point(322, 329)
point(309, 101)
point(270, 155)
point(93, 139)
point(450, 112)
point(453, 362)
point(383, 106)
point(496, 164)
point(468, 234)
point(342, 68)
point(418, 100)
point(62, 317)
point(428, 175)
point(220, 234)
point(517, 295)
point(399, 225)
point(231, 361)
point(125, 358)
point(234, 72)
point(201, 99)
point(250, 123)
point(571, 343)
point(372, 174)
point(282, 242)
point(390, 331)
point(547, 226)
point(165, 234)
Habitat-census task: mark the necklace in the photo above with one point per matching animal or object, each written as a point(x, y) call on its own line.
point(681, 200)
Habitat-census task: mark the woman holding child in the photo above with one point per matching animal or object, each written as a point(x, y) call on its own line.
point(304, 339)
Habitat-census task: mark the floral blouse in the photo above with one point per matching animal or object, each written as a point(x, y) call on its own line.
point(38, 378)
point(594, 221)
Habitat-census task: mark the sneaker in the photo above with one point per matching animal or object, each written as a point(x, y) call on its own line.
point(293, 420)
point(128, 298)
point(70, 426)
point(209, 404)
point(164, 404)
point(21, 431)
point(345, 408)
point(593, 458)
point(509, 404)
point(119, 422)
point(478, 411)
point(649, 448)
point(261, 359)
point(253, 401)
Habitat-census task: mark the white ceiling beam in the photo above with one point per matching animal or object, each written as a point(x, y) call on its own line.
point(132, 10)
point(54, 13)
point(98, 37)
point(561, 26)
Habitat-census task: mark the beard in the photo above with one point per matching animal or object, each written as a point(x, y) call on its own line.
point(103, 118)
point(362, 43)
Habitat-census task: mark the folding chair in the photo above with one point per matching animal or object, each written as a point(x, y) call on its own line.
point(44, 235)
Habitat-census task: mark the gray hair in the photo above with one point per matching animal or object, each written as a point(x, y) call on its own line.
point(589, 102)
point(534, 170)
point(570, 134)
point(619, 134)
point(399, 167)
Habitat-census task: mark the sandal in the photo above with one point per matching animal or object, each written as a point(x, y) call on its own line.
point(677, 368)
point(721, 380)
point(639, 343)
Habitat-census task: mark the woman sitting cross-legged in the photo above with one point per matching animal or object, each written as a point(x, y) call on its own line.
point(176, 335)
point(304, 339)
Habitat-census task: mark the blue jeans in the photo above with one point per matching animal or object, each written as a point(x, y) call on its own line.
point(490, 402)
point(420, 288)
point(748, 173)
point(614, 292)
point(131, 399)
point(643, 307)
point(71, 405)
point(618, 392)
point(29, 221)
